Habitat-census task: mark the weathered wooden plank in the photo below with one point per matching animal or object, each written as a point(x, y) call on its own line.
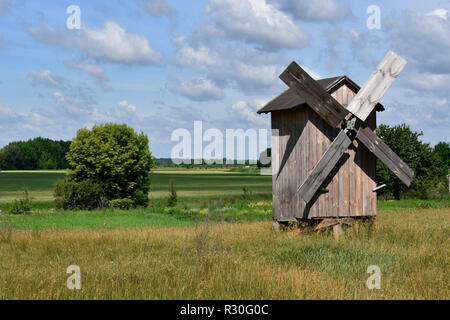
point(324, 166)
point(314, 95)
point(385, 154)
point(275, 163)
point(377, 84)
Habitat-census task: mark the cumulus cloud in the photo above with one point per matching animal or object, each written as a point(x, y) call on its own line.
point(46, 78)
point(429, 82)
point(423, 40)
point(317, 10)
point(201, 59)
point(247, 111)
point(244, 68)
point(196, 89)
point(126, 106)
point(361, 43)
point(251, 77)
point(157, 8)
point(431, 117)
point(256, 22)
point(97, 72)
point(110, 43)
point(441, 13)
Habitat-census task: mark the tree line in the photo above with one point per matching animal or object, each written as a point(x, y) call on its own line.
point(34, 154)
point(430, 164)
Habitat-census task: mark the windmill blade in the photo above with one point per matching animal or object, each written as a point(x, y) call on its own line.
point(385, 154)
point(314, 95)
point(377, 84)
point(320, 172)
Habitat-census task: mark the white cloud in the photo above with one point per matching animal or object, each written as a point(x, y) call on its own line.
point(247, 111)
point(360, 46)
point(47, 78)
point(251, 77)
point(429, 82)
point(440, 13)
point(6, 114)
point(256, 22)
point(317, 10)
point(196, 89)
point(126, 106)
point(110, 43)
point(441, 102)
point(97, 72)
point(157, 8)
point(100, 116)
point(201, 59)
point(93, 69)
point(244, 68)
point(423, 40)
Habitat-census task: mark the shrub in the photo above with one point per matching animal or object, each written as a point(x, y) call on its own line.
point(173, 197)
point(22, 206)
point(246, 194)
point(115, 156)
point(84, 195)
point(121, 203)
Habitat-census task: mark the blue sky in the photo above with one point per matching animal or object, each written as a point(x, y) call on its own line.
point(159, 65)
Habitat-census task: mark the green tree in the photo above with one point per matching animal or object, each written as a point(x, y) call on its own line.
point(115, 156)
point(442, 149)
point(428, 175)
point(264, 160)
point(37, 153)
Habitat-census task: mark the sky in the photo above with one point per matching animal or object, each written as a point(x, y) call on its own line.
point(160, 65)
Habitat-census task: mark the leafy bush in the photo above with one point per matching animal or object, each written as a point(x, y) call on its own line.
point(173, 197)
point(84, 195)
point(22, 206)
point(114, 156)
point(121, 203)
point(246, 194)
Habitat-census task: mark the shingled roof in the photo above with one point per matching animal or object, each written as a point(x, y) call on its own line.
point(288, 99)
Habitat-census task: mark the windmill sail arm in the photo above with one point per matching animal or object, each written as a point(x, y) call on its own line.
point(385, 154)
point(323, 168)
point(377, 84)
point(314, 95)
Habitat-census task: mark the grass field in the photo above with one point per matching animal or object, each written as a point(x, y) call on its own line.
point(215, 244)
point(188, 182)
point(231, 261)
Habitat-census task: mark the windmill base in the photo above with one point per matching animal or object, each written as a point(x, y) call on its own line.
point(321, 224)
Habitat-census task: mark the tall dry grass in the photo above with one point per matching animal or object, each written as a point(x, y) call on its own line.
point(231, 261)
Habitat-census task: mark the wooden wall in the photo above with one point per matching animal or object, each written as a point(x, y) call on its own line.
point(303, 139)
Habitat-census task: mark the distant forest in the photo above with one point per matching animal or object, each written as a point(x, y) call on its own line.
point(34, 154)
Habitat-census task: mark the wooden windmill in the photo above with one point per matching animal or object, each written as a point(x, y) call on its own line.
point(327, 149)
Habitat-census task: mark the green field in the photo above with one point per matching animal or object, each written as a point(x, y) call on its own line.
point(216, 243)
point(188, 182)
point(214, 194)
